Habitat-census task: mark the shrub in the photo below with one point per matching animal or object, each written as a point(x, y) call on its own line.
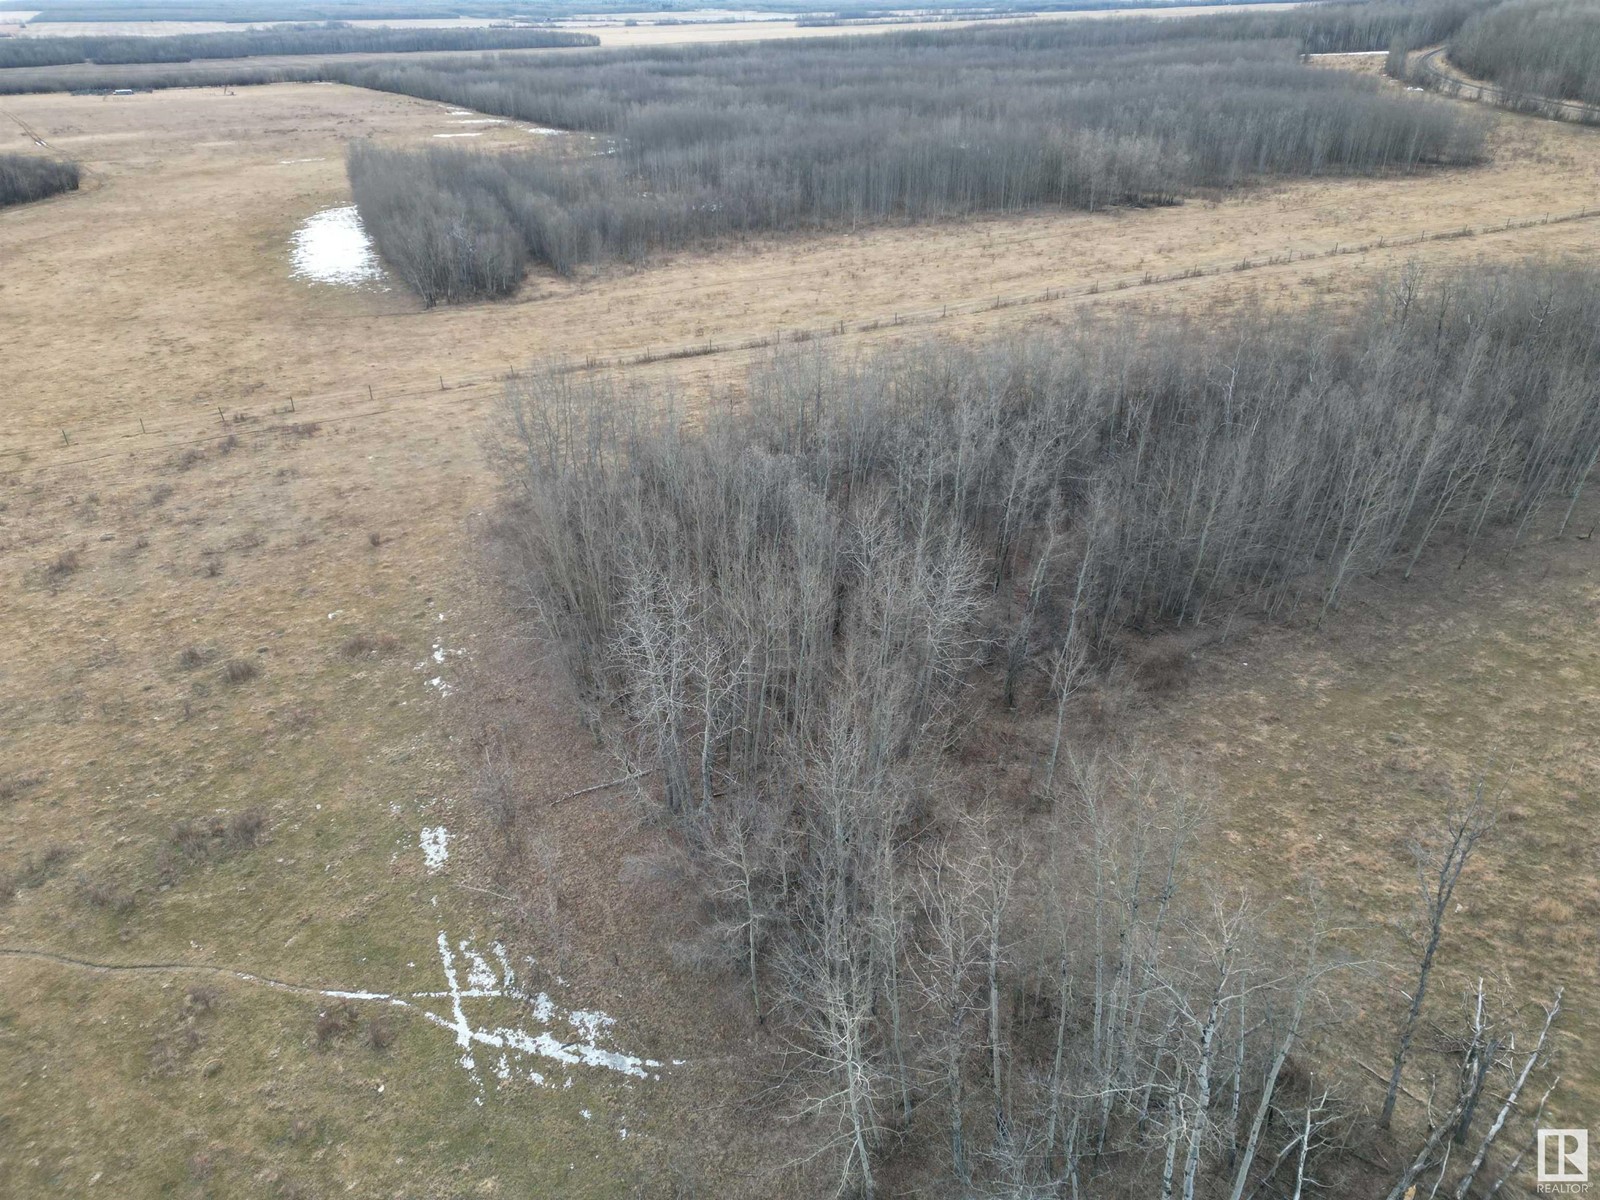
point(241, 670)
point(106, 895)
point(65, 564)
point(245, 829)
point(380, 1032)
point(25, 177)
point(336, 1023)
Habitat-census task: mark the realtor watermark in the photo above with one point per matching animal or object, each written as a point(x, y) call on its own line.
point(1563, 1162)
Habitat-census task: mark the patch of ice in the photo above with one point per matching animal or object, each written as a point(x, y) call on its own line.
point(435, 847)
point(332, 247)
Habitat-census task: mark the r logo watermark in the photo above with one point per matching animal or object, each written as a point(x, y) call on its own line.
point(1563, 1161)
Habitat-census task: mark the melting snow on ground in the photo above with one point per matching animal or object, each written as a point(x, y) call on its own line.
point(543, 130)
point(540, 1033)
point(571, 1038)
point(482, 121)
point(474, 133)
point(332, 247)
point(435, 847)
point(437, 659)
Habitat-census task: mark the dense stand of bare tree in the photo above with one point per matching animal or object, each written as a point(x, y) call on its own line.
point(705, 142)
point(25, 177)
point(788, 608)
point(1540, 47)
point(329, 38)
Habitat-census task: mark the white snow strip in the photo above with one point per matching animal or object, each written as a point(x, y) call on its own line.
point(544, 130)
point(332, 247)
point(482, 121)
point(436, 851)
point(474, 133)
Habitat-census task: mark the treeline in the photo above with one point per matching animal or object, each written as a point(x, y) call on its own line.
point(707, 142)
point(1538, 47)
point(332, 38)
point(788, 616)
point(92, 79)
point(27, 177)
point(1347, 28)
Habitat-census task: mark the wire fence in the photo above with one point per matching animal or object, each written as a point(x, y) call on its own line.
point(299, 413)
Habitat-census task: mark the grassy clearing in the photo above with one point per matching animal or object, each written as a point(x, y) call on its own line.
point(162, 292)
point(1330, 748)
point(166, 803)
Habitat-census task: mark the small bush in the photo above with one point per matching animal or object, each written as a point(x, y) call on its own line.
point(105, 895)
point(172, 1049)
point(240, 670)
point(246, 828)
point(361, 645)
point(12, 787)
point(202, 998)
point(66, 563)
point(191, 657)
point(191, 840)
point(380, 1033)
point(335, 1023)
point(36, 870)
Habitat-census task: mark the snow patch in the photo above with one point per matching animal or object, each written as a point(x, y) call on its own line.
point(332, 246)
point(474, 133)
point(435, 847)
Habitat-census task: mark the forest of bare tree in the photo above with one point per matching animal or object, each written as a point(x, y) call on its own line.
point(26, 177)
point(328, 38)
point(704, 142)
point(797, 615)
point(1542, 47)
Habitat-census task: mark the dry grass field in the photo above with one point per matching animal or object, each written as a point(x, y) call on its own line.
point(243, 613)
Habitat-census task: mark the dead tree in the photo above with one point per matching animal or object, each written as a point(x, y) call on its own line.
point(1439, 868)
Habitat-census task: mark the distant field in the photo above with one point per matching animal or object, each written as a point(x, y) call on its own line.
point(633, 29)
point(204, 452)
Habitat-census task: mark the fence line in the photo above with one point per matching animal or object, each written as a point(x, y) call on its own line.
point(307, 409)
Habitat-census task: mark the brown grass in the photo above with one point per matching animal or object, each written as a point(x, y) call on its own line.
point(1333, 749)
point(161, 293)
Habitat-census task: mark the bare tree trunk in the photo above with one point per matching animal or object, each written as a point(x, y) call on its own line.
point(1437, 874)
point(1511, 1101)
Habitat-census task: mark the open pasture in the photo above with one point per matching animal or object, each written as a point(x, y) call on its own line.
point(202, 452)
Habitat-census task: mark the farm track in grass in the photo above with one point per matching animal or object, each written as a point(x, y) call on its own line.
point(355, 404)
point(323, 544)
